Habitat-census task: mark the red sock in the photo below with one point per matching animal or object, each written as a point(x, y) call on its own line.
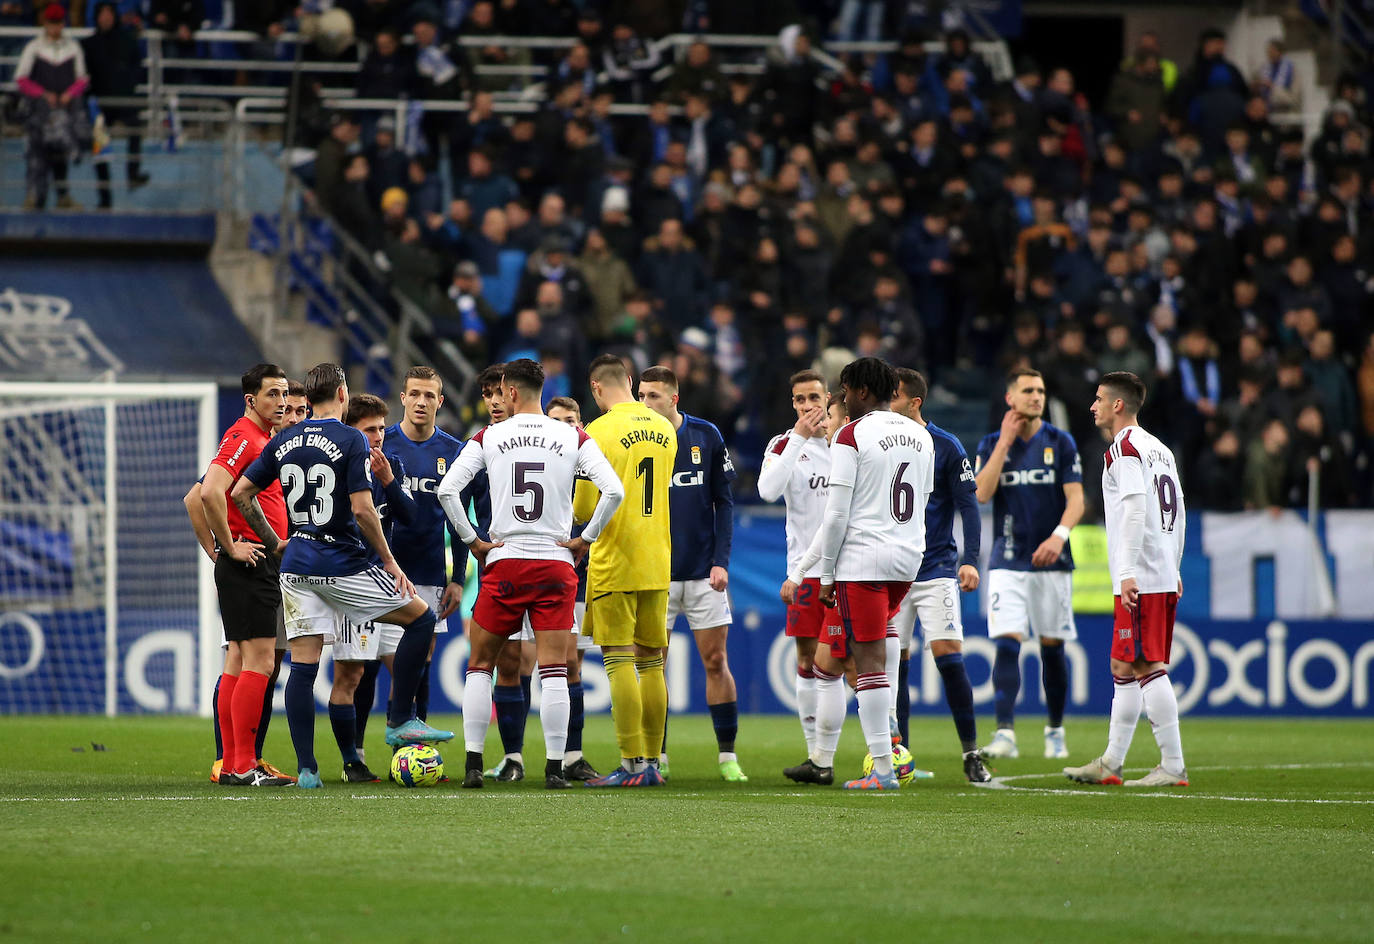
point(227, 684)
point(247, 711)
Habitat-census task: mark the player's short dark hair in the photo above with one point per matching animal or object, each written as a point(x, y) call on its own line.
point(1128, 387)
point(913, 382)
point(490, 377)
point(252, 379)
point(1016, 373)
point(423, 373)
point(323, 382)
point(837, 399)
point(872, 374)
point(525, 374)
point(608, 368)
point(806, 376)
point(566, 403)
point(364, 406)
point(661, 375)
point(294, 388)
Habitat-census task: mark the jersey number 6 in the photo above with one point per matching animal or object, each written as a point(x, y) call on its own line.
point(903, 496)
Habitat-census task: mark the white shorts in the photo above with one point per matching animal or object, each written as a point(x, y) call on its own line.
point(704, 608)
point(356, 642)
point(1025, 602)
point(936, 604)
point(389, 634)
point(313, 605)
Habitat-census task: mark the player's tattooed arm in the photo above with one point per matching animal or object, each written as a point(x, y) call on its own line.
point(257, 520)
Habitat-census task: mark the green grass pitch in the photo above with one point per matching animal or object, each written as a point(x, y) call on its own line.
point(1274, 841)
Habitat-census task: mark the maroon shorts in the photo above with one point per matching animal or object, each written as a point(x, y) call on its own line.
point(866, 606)
point(1147, 634)
point(832, 633)
point(546, 590)
point(806, 615)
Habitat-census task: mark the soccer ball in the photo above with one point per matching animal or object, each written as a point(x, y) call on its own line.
point(331, 31)
point(417, 765)
point(903, 764)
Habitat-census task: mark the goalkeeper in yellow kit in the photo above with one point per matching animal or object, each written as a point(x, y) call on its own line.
point(629, 570)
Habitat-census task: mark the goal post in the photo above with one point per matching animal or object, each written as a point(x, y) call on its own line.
point(107, 603)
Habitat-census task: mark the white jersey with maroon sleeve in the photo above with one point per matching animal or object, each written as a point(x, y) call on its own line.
point(798, 471)
point(531, 463)
point(889, 460)
point(1139, 464)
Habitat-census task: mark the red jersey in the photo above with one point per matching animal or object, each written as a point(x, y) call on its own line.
point(240, 446)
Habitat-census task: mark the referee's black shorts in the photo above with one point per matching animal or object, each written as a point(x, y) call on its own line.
point(249, 598)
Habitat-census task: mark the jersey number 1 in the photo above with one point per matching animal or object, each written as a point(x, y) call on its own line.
point(646, 470)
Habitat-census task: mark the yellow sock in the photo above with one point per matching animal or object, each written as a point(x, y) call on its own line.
point(626, 709)
point(653, 692)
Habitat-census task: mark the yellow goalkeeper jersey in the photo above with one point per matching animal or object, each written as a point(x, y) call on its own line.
point(635, 550)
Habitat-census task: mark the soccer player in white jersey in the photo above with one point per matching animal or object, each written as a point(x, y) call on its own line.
point(532, 462)
point(795, 468)
point(872, 538)
point(1143, 503)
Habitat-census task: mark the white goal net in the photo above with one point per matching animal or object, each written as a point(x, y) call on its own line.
point(106, 601)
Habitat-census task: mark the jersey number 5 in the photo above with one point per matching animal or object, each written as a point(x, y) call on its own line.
point(523, 486)
point(1168, 501)
point(321, 507)
point(903, 496)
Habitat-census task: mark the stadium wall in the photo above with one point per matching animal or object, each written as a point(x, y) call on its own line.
point(1248, 640)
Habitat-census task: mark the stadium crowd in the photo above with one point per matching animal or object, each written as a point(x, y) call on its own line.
point(758, 221)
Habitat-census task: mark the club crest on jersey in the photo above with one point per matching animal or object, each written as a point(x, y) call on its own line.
point(1049, 455)
point(441, 464)
point(696, 455)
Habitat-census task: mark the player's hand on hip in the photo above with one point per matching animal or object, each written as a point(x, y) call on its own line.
point(828, 594)
point(788, 592)
point(720, 579)
point(281, 547)
point(246, 552)
point(577, 546)
point(1048, 552)
point(968, 578)
point(451, 599)
point(403, 584)
point(1130, 594)
point(480, 549)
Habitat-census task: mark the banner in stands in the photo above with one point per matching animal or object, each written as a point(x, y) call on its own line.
point(1249, 641)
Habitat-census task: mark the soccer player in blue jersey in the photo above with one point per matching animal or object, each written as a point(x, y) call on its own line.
point(425, 452)
point(701, 512)
point(934, 595)
point(325, 471)
point(357, 645)
point(1031, 473)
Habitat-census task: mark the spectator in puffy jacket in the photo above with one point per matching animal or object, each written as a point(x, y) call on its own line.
point(52, 77)
point(114, 64)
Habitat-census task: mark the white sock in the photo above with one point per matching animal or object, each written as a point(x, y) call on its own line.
point(892, 660)
point(806, 707)
point(873, 708)
point(1125, 716)
point(724, 757)
point(830, 708)
point(1161, 706)
point(571, 757)
point(476, 709)
point(518, 757)
point(554, 709)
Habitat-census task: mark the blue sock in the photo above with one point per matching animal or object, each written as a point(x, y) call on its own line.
point(300, 712)
point(959, 694)
point(1006, 680)
point(510, 717)
point(525, 682)
point(725, 719)
point(363, 699)
point(422, 695)
point(266, 717)
point(343, 719)
point(214, 708)
point(1054, 671)
point(407, 668)
point(576, 716)
point(904, 699)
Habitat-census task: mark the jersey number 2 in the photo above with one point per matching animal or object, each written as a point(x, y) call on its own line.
point(321, 507)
